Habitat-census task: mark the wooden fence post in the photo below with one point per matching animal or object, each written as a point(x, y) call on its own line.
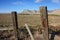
point(15, 24)
point(44, 21)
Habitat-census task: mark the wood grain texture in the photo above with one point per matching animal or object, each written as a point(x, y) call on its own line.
point(44, 21)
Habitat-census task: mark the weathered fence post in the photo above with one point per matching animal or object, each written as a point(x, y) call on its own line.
point(15, 24)
point(44, 20)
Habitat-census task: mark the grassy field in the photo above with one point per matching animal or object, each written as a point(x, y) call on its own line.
point(32, 19)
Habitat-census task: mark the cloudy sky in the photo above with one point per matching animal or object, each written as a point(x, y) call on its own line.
point(7, 6)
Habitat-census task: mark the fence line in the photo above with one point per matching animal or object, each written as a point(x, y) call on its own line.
point(44, 21)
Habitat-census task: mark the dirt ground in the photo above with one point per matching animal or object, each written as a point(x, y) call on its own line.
point(9, 35)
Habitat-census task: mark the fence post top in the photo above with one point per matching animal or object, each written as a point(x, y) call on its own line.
point(13, 12)
point(43, 6)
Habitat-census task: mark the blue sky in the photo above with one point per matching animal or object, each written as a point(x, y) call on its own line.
point(7, 6)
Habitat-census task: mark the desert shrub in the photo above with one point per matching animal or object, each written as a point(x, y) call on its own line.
point(1, 25)
point(5, 35)
point(4, 25)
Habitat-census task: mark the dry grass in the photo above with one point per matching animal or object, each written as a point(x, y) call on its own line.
point(32, 20)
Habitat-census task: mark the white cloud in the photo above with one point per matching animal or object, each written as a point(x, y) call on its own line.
point(18, 2)
point(38, 1)
point(55, 1)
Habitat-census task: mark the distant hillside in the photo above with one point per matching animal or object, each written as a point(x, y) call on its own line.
point(57, 11)
point(30, 12)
